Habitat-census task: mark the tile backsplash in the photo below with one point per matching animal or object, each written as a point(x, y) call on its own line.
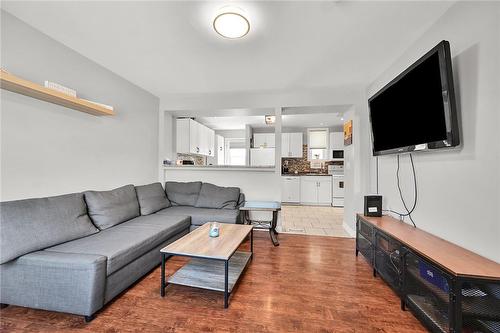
point(198, 160)
point(302, 165)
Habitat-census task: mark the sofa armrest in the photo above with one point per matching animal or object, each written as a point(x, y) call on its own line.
point(241, 201)
point(65, 282)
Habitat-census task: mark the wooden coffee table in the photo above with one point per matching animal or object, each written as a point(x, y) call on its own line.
point(215, 263)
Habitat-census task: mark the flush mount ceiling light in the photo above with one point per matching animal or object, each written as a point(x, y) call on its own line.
point(270, 120)
point(230, 23)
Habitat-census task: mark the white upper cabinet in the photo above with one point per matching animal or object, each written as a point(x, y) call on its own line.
point(220, 150)
point(263, 140)
point(336, 141)
point(194, 138)
point(296, 143)
point(291, 145)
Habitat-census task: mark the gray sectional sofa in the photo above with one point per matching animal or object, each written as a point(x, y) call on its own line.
point(76, 252)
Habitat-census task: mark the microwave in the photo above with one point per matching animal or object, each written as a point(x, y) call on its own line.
point(337, 154)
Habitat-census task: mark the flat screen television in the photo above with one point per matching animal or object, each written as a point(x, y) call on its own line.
point(417, 109)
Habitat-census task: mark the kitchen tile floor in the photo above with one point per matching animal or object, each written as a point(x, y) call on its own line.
point(312, 220)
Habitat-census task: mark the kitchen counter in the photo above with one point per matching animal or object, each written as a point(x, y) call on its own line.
point(219, 168)
point(303, 174)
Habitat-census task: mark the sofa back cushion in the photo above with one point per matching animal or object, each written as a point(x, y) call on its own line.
point(213, 196)
point(183, 194)
point(152, 198)
point(34, 224)
point(109, 208)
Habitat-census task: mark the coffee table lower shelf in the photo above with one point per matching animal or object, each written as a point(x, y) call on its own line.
point(210, 273)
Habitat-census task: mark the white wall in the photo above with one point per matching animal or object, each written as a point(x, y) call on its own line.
point(256, 185)
point(48, 149)
point(459, 197)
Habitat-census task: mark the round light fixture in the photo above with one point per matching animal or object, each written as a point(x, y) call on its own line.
point(231, 25)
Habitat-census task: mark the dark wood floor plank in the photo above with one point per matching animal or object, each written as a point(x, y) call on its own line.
point(307, 284)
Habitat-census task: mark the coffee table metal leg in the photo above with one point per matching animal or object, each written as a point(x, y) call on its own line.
point(226, 284)
point(272, 230)
point(251, 242)
point(162, 291)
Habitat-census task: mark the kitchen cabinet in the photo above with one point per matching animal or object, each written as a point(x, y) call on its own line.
point(264, 140)
point(220, 150)
point(290, 189)
point(291, 145)
point(316, 190)
point(336, 140)
point(262, 157)
point(194, 138)
point(207, 141)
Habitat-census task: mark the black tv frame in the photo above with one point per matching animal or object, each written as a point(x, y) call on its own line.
point(450, 107)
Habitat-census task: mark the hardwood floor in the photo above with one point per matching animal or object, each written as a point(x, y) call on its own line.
point(307, 284)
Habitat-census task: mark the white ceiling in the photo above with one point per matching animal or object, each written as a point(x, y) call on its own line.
point(169, 47)
point(297, 121)
point(293, 117)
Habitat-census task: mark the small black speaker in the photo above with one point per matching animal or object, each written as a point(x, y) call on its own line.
point(373, 205)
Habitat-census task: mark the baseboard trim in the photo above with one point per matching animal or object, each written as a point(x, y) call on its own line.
point(349, 230)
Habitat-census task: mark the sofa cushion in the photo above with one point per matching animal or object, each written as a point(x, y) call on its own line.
point(183, 194)
point(33, 224)
point(213, 196)
point(109, 208)
point(151, 198)
point(200, 216)
point(129, 240)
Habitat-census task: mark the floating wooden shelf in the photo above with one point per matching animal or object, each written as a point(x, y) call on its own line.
point(31, 89)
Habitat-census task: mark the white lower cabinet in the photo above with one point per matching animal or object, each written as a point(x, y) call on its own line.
point(316, 190)
point(290, 189)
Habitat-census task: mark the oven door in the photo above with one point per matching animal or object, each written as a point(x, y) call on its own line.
point(338, 186)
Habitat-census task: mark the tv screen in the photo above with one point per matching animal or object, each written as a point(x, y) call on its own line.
point(416, 110)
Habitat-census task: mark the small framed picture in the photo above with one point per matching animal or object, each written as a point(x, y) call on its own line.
point(348, 133)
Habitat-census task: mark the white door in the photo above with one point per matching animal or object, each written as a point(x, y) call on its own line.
point(295, 145)
point(285, 144)
point(308, 190)
point(290, 189)
point(338, 186)
point(325, 191)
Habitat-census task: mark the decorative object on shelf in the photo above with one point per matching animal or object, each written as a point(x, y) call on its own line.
point(348, 133)
point(60, 88)
point(214, 229)
point(31, 89)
